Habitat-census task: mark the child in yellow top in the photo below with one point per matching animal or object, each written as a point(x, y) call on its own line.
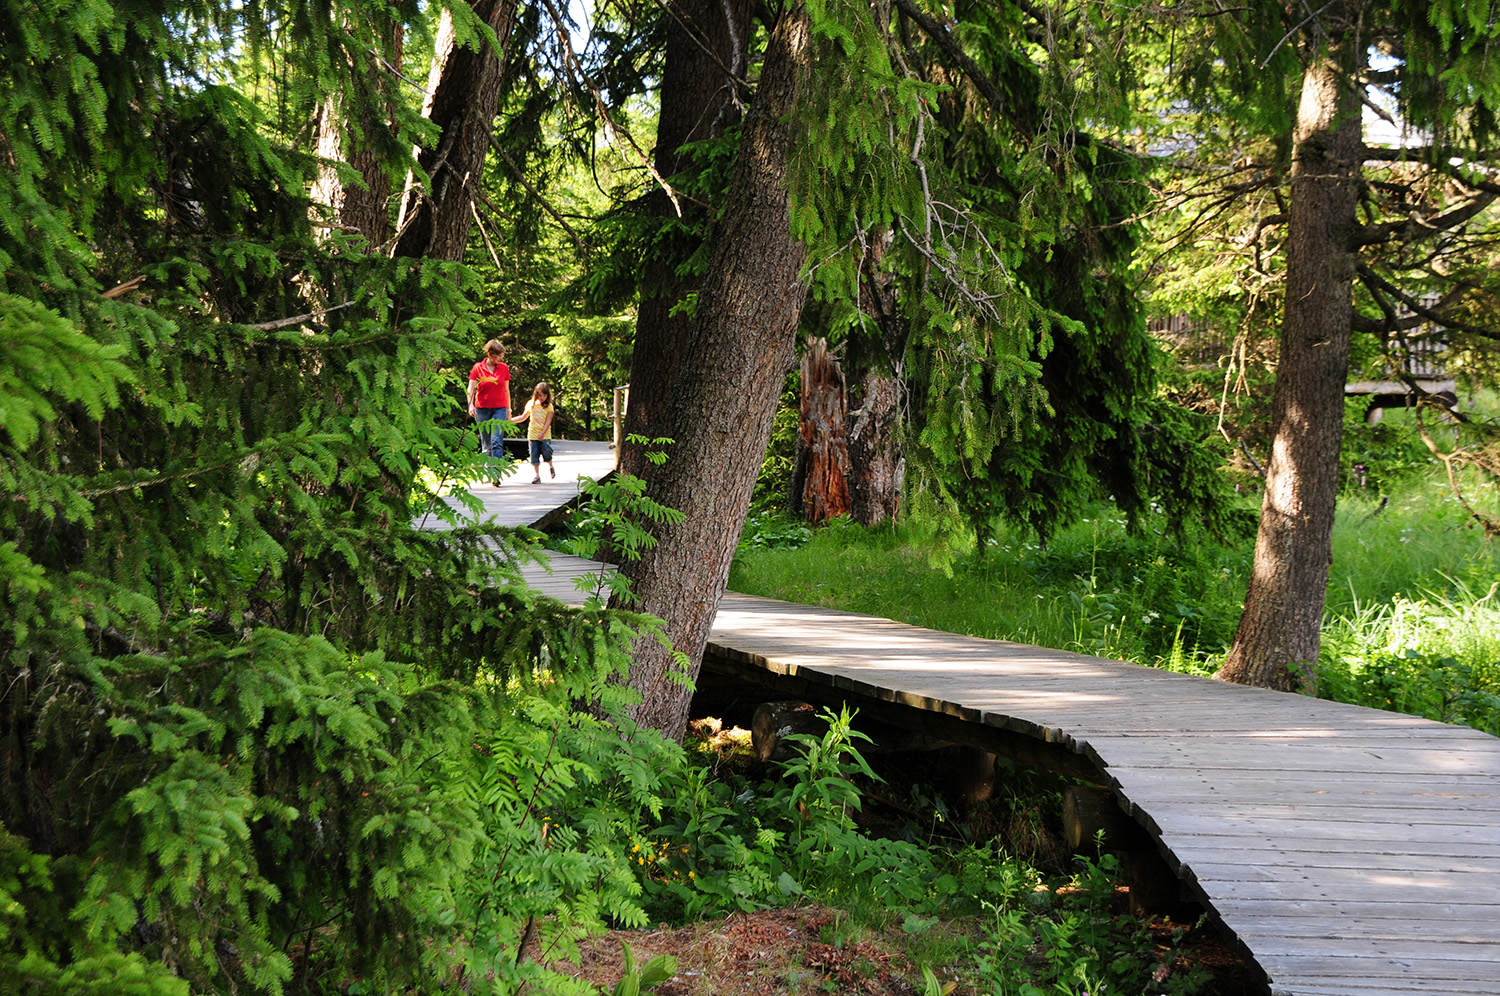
point(539, 432)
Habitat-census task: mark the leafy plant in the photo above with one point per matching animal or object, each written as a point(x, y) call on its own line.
point(615, 522)
point(654, 973)
point(1067, 942)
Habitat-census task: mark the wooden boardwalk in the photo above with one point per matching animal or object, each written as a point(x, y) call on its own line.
point(1348, 851)
point(518, 502)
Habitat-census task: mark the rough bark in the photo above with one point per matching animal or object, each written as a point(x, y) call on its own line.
point(864, 443)
point(706, 54)
point(361, 207)
point(874, 362)
point(1276, 644)
point(435, 222)
point(877, 464)
point(822, 456)
point(735, 360)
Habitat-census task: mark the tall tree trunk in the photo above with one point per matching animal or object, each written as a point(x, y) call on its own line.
point(822, 454)
point(873, 364)
point(877, 467)
point(1276, 644)
point(435, 223)
point(362, 207)
point(707, 49)
point(733, 365)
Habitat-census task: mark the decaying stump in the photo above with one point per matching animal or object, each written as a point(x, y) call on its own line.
point(822, 446)
point(775, 721)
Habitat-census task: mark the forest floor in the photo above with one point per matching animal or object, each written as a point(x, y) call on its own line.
point(807, 950)
point(803, 950)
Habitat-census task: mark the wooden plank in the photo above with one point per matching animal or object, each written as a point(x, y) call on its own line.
point(1267, 759)
point(1386, 987)
point(1205, 862)
point(1277, 944)
point(1473, 930)
point(1485, 808)
point(1369, 813)
point(1247, 843)
point(1166, 785)
point(1170, 823)
point(1335, 886)
point(1393, 907)
point(1374, 968)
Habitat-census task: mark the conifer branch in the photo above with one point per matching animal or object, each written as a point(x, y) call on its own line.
point(1414, 230)
point(1420, 310)
point(950, 47)
point(575, 70)
point(520, 175)
point(283, 323)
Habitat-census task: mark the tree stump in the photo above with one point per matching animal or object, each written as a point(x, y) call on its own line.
point(774, 721)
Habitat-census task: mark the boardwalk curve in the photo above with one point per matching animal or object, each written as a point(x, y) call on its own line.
point(1348, 851)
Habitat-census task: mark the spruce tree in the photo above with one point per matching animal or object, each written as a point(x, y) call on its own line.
point(232, 672)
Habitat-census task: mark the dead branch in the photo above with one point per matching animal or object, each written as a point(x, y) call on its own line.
point(1419, 310)
point(120, 290)
point(575, 70)
point(1452, 462)
point(1414, 230)
point(520, 175)
point(283, 323)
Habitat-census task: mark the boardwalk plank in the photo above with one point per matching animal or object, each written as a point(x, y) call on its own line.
point(1246, 843)
point(1224, 862)
point(1419, 917)
point(1340, 885)
point(1435, 972)
point(1371, 812)
point(1469, 931)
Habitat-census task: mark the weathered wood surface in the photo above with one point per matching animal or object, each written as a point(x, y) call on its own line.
point(1350, 852)
point(518, 502)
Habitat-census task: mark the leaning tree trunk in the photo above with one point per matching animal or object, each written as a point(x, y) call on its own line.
point(742, 345)
point(1276, 644)
point(707, 48)
point(435, 222)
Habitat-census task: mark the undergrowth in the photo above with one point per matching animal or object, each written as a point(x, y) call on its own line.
point(597, 824)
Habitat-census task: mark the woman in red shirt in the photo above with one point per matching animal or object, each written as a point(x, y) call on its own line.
point(489, 404)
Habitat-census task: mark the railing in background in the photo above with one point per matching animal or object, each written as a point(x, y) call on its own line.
point(618, 408)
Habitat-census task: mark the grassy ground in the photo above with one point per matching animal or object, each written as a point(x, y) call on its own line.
point(1412, 618)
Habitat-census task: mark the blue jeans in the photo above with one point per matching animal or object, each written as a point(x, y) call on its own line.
point(492, 423)
point(541, 449)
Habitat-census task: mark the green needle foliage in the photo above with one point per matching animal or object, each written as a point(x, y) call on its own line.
point(233, 677)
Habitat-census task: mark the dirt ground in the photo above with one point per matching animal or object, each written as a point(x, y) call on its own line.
point(786, 952)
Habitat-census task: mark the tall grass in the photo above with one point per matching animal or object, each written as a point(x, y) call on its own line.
point(1412, 620)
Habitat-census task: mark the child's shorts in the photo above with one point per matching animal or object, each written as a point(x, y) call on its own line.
point(541, 449)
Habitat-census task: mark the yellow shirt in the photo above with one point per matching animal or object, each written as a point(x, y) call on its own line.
point(541, 420)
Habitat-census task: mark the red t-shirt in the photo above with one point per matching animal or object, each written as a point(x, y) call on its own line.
point(494, 385)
